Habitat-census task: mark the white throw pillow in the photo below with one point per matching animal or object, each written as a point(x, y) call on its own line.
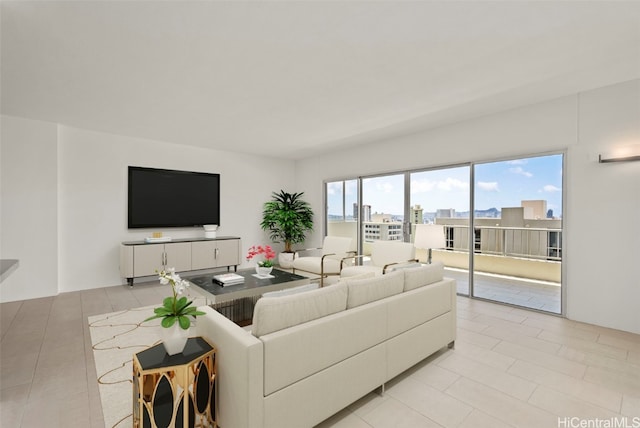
point(423, 275)
point(363, 291)
point(277, 313)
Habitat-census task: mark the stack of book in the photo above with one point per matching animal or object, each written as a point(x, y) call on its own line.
point(228, 279)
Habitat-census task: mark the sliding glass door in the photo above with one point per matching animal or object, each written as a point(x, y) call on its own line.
point(517, 257)
point(509, 251)
point(383, 211)
point(441, 197)
point(342, 209)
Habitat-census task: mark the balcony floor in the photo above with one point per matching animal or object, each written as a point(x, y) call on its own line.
point(541, 295)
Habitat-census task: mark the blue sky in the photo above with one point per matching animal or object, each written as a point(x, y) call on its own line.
point(498, 184)
point(505, 184)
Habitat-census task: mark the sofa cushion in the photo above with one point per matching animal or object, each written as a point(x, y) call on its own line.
point(412, 308)
point(363, 291)
point(305, 350)
point(276, 313)
point(420, 276)
point(352, 272)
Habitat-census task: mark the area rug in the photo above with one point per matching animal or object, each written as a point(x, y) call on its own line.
point(115, 337)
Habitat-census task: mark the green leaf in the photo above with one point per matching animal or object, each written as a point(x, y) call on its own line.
point(182, 303)
point(185, 323)
point(192, 312)
point(168, 322)
point(168, 303)
point(163, 311)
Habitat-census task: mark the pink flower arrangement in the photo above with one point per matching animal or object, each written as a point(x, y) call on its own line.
point(267, 253)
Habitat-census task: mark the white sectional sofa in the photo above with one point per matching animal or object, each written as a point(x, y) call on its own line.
point(311, 354)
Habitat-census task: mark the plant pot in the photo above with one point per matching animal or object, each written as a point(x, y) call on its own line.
point(285, 260)
point(174, 338)
point(263, 271)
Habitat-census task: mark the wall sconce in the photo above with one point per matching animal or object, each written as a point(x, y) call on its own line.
point(621, 154)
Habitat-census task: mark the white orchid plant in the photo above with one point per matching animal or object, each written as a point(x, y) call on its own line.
point(173, 308)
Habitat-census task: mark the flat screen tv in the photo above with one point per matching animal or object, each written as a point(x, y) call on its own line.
point(170, 198)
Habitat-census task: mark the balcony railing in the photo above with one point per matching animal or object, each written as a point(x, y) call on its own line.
point(522, 242)
point(526, 252)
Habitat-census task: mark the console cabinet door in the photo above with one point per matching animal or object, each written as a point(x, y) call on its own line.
point(228, 252)
point(148, 259)
point(212, 254)
point(203, 255)
point(178, 255)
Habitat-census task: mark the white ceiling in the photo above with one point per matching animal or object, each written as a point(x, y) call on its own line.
point(299, 78)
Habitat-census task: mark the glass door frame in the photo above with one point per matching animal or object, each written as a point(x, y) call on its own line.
point(472, 226)
point(472, 220)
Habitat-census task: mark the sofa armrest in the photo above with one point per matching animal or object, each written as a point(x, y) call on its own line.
point(240, 370)
point(411, 261)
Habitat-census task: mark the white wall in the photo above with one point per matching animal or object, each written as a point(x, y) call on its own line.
point(82, 235)
point(601, 216)
point(28, 211)
point(604, 212)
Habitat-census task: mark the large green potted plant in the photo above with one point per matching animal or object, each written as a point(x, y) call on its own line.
point(288, 218)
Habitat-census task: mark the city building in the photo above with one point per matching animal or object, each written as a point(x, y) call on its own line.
point(535, 209)
point(383, 231)
point(445, 213)
point(417, 216)
point(366, 212)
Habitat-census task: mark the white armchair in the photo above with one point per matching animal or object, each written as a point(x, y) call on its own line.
point(384, 254)
point(334, 249)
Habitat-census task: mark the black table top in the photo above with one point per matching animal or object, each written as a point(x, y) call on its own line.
point(250, 281)
point(156, 357)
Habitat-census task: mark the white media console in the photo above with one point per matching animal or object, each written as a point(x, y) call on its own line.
point(140, 258)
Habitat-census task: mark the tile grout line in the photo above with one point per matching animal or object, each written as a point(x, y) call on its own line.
point(38, 360)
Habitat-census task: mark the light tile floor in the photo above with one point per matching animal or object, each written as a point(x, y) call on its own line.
point(510, 368)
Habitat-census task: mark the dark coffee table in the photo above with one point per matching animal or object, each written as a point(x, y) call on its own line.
point(236, 301)
point(251, 287)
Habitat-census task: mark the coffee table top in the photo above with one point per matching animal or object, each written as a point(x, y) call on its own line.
point(252, 286)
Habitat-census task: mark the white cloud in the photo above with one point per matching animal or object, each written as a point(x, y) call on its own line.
point(518, 162)
point(335, 188)
point(488, 186)
point(520, 171)
point(452, 183)
point(424, 186)
point(351, 187)
point(551, 188)
point(385, 187)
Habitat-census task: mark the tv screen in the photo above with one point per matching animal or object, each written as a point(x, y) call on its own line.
point(169, 198)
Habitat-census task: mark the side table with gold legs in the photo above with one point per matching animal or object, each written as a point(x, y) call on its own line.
point(164, 386)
